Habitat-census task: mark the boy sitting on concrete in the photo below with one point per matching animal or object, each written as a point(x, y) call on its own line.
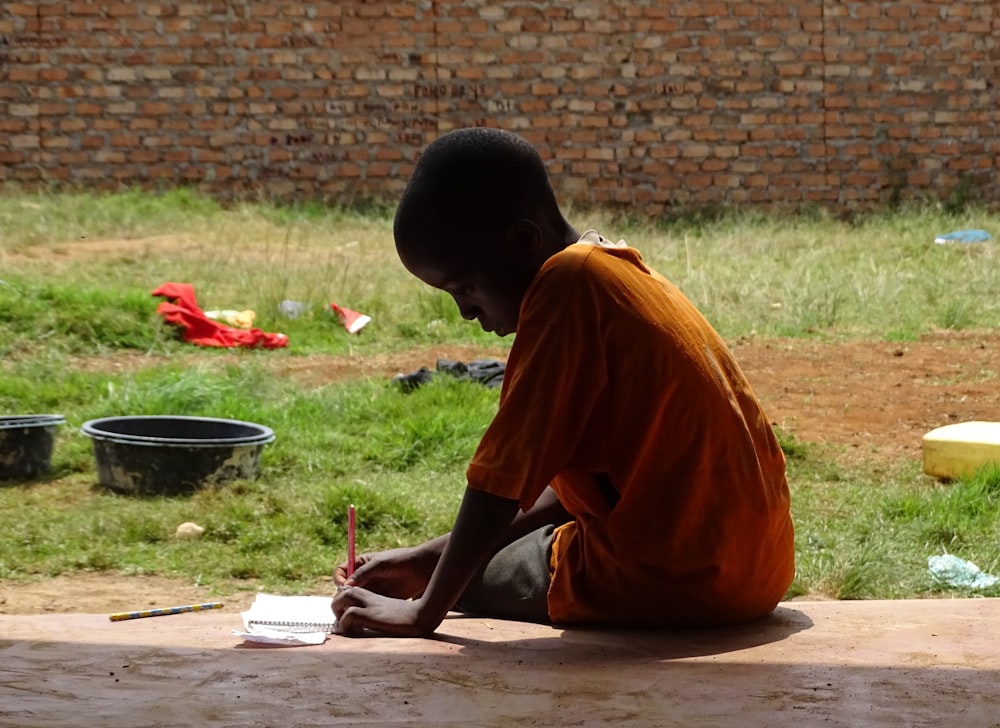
point(629, 477)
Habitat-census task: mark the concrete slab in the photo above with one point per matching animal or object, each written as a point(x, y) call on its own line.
point(876, 663)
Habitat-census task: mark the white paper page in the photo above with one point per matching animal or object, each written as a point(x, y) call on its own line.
point(291, 613)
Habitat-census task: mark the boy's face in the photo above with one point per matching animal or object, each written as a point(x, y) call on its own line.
point(486, 279)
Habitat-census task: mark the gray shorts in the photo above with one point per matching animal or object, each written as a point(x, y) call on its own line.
point(514, 584)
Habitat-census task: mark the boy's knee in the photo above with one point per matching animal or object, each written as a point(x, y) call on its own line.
point(514, 584)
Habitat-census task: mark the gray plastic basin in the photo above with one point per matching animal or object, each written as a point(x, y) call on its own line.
point(174, 455)
point(26, 443)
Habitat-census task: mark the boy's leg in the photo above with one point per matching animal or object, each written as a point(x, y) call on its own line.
point(514, 584)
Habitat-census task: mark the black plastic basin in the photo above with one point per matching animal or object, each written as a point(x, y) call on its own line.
point(26, 445)
point(168, 455)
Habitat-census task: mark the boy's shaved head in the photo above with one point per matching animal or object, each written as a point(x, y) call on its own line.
point(472, 182)
point(478, 220)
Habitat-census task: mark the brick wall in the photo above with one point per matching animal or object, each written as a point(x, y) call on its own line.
point(640, 102)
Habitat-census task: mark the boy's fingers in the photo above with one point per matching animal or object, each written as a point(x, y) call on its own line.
point(349, 605)
point(349, 622)
point(340, 576)
point(363, 567)
point(347, 597)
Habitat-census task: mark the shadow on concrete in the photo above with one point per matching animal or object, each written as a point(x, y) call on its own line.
point(568, 646)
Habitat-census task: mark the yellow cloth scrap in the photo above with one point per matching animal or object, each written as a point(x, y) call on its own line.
point(241, 319)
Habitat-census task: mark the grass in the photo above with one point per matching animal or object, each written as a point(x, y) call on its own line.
point(861, 535)
point(247, 257)
point(399, 457)
point(879, 277)
point(77, 272)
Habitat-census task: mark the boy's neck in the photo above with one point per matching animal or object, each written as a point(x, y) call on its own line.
point(571, 236)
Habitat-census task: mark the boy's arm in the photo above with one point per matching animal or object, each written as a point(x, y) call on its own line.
point(548, 510)
point(483, 521)
point(405, 572)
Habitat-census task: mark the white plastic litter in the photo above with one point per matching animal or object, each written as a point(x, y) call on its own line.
point(293, 309)
point(953, 571)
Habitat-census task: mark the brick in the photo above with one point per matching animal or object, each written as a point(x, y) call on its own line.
point(124, 140)
point(119, 10)
point(23, 109)
point(12, 126)
point(143, 124)
point(24, 141)
point(11, 157)
point(53, 74)
point(53, 109)
point(121, 74)
point(155, 108)
point(107, 156)
point(22, 75)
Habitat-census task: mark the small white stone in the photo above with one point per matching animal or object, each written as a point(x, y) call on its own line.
point(189, 531)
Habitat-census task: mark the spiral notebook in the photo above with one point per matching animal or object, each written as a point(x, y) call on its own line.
point(290, 613)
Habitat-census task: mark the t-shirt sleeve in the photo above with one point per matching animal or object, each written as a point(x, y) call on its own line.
point(555, 374)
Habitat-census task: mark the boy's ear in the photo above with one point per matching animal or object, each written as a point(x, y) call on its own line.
point(524, 235)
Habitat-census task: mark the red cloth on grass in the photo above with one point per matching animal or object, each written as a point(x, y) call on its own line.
point(182, 310)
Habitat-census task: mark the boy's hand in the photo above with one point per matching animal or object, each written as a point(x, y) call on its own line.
point(451, 561)
point(358, 609)
point(398, 573)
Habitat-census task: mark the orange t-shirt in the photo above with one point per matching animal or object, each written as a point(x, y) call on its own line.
point(620, 394)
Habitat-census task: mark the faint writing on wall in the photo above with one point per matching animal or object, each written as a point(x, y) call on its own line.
point(10, 44)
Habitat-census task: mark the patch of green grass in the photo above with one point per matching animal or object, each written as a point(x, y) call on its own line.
point(74, 318)
point(902, 335)
point(957, 313)
point(866, 535)
point(802, 275)
point(794, 449)
point(30, 218)
point(85, 293)
point(812, 274)
point(399, 457)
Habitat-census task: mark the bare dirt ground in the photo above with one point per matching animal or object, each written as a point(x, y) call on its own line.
point(865, 402)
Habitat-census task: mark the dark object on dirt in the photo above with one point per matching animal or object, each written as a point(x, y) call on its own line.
point(26, 445)
point(409, 382)
point(488, 372)
point(166, 455)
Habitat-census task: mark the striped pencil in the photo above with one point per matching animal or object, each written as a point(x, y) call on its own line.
point(121, 616)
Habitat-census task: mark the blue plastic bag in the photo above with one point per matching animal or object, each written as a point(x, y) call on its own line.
point(963, 236)
point(950, 570)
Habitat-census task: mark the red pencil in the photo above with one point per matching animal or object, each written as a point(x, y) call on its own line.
point(350, 541)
